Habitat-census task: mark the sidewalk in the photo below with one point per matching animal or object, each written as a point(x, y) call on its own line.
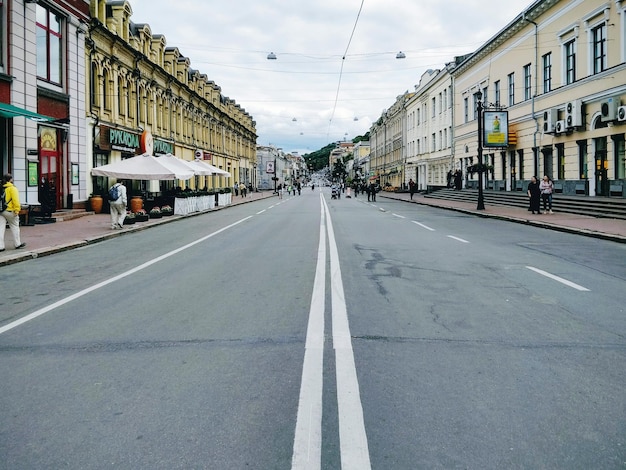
point(47, 239)
point(607, 229)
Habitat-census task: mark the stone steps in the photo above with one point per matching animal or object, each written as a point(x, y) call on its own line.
point(614, 208)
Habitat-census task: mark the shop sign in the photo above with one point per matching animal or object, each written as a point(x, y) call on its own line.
point(117, 139)
point(162, 147)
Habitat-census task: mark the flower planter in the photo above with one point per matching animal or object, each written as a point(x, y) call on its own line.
point(129, 220)
point(156, 215)
point(141, 217)
point(167, 213)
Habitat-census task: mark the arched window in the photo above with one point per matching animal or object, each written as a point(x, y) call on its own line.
point(93, 85)
point(105, 91)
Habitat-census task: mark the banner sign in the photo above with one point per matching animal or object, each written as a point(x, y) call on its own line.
point(269, 167)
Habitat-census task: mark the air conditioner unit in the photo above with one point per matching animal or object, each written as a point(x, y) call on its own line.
point(608, 109)
point(549, 120)
point(560, 127)
point(621, 113)
point(573, 114)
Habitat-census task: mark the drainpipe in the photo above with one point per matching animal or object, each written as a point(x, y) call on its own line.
point(534, 114)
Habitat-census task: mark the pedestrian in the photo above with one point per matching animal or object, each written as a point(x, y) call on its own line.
point(458, 180)
point(368, 192)
point(280, 191)
point(449, 179)
point(546, 187)
point(117, 205)
point(373, 192)
point(411, 188)
point(534, 195)
point(11, 213)
point(236, 189)
point(242, 189)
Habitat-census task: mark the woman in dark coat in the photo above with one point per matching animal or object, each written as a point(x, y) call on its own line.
point(534, 194)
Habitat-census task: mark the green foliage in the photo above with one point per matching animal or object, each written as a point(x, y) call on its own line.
point(319, 159)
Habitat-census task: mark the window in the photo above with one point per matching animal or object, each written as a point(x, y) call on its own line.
point(475, 106)
point(466, 109)
point(599, 48)
point(120, 97)
point(48, 45)
point(2, 29)
point(511, 82)
point(93, 85)
point(434, 100)
point(570, 62)
point(496, 92)
point(434, 142)
point(105, 89)
point(527, 82)
point(547, 72)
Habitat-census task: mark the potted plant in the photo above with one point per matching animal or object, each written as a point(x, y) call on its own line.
point(155, 213)
point(129, 219)
point(166, 210)
point(141, 216)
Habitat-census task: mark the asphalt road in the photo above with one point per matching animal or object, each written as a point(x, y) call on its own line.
point(317, 333)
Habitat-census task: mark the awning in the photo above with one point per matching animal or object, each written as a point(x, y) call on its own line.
point(10, 111)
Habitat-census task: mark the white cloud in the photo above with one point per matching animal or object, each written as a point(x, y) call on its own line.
point(229, 42)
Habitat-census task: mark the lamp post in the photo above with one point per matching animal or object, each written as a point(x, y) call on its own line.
point(479, 110)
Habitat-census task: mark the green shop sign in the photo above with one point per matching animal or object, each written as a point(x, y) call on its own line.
point(160, 147)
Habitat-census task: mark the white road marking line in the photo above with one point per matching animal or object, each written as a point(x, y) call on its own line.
point(260, 212)
point(399, 216)
point(423, 226)
point(307, 445)
point(457, 239)
point(352, 437)
point(559, 279)
point(130, 272)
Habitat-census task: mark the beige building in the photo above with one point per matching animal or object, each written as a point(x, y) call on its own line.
point(387, 145)
point(559, 71)
point(429, 131)
point(139, 88)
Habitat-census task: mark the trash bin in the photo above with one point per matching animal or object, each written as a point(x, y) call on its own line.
point(70, 201)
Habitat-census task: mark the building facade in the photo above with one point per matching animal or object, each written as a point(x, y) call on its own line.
point(558, 70)
point(388, 145)
point(42, 99)
point(140, 90)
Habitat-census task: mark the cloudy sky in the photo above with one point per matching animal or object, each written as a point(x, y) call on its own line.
point(336, 68)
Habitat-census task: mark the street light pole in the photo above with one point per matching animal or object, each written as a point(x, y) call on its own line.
point(479, 109)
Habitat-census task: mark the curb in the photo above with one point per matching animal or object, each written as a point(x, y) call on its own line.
point(47, 251)
point(557, 228)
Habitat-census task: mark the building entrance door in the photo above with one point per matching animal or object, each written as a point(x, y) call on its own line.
point(50, 165)
point(602, 167)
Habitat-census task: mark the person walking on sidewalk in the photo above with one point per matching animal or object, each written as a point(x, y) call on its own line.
point(11, 214)
point(534, 195)
point(411, 187)
point(118, 206)
point(546, 187)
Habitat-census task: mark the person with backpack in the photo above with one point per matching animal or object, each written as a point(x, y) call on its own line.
point(117, 203)
point(10, 212)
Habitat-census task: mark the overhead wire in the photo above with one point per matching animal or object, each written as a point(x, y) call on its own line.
point(343, 60)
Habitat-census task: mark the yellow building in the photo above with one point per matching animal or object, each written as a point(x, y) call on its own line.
point(558, 72)
point(137, 86)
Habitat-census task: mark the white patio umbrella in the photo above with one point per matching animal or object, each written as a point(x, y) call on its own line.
point(196, 166)
point(144, 167)
point(215, 170)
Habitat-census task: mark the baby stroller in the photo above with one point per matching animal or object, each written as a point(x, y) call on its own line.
point(334, 193)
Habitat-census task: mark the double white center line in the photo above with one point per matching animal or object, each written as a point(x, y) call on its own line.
point(308, 436)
